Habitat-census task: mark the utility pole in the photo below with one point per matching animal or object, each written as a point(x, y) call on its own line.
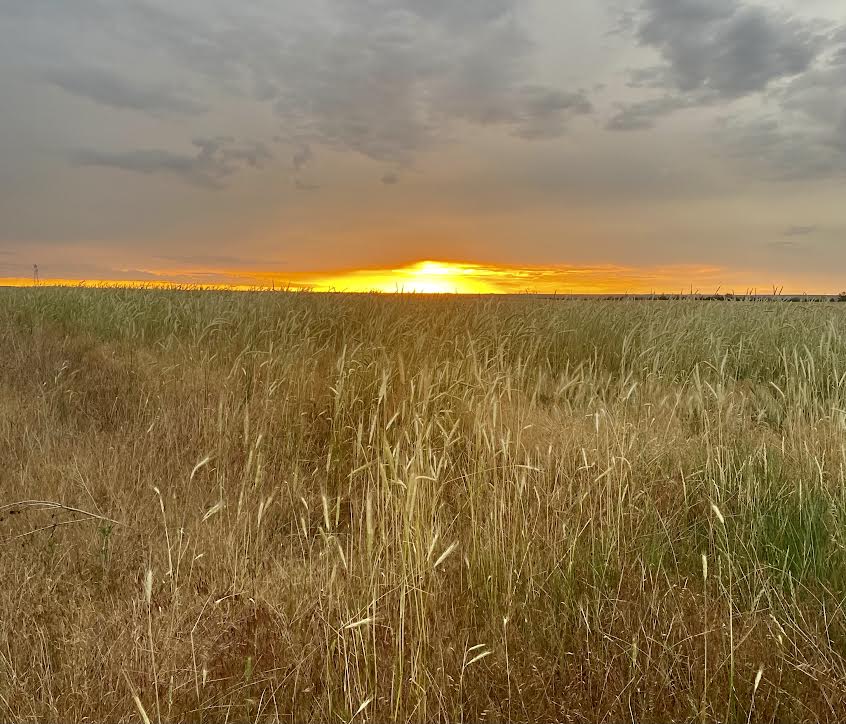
point(35, 278)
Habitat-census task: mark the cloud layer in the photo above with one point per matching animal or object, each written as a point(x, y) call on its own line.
point(208, 167)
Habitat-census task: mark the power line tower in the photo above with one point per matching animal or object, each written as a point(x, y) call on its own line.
point(35, 277)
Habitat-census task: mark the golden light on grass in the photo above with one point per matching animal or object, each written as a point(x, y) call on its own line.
point(336, 507)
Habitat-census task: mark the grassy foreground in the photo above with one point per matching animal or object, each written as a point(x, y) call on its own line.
point(291, 507)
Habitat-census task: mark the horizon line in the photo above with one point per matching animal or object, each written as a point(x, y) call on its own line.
point(448, 277)
point(292, 288)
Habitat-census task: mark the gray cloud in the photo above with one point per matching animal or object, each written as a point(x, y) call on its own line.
point(838, 138)
point(109, 89)
point(302, 157)
point(385, 79)
point(539, 112)
point(218, 260)
point(715, 51)
point(718, 51)
point(463, 16)
point(776, 150)
point(800, 230)
point(820, 93)
point(250, 153)
point(301, 185)
point(644, 114)
point(214, 160)
point(726, 49)
point(390, 179)
point(807, 138)
point(787, 245)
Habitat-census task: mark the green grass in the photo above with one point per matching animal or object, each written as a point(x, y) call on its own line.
point(295, 507)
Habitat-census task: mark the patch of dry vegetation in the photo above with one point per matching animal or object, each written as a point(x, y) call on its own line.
point(323, 508)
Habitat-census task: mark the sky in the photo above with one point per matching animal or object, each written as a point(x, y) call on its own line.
point(587, 145)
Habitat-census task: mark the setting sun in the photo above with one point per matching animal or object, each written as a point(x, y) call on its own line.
point(424, 277)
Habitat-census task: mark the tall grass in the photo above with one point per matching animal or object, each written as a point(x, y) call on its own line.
point(285, 506)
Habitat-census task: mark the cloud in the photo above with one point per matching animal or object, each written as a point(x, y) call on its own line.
point(644, 114)
point(217, 261)
point(109, 89)
point(214, 160)
point(726, 49)
point(795, 238)
point(485, 83)
point(715, 51)
point(800, 230)
point(390, 179)
point(806, 137)
point(301, 185)
point(778, 150)
point(544, 113)
point(251, 153)
point(819, 95)
point(462, 16)
point(383, 78)
point(302, 157)
point(787, 245)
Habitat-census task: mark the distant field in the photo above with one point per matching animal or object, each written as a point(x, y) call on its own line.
point(223, 506)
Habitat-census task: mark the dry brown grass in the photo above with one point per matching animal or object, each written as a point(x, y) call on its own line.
point(365, 508)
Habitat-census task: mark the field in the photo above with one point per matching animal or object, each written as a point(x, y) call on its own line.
point(222, 506)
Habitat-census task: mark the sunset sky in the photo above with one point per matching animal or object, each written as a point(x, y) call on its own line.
point(586, 145)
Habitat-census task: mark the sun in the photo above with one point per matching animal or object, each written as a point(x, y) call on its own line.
point(433, 277)
point(423, 277)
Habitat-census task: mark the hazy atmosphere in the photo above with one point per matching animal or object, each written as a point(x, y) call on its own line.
point(579, 146)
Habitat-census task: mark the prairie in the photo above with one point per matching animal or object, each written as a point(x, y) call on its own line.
point(221, 506)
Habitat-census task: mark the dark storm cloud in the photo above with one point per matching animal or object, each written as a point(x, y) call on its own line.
point(109, 89)
point(214, 160)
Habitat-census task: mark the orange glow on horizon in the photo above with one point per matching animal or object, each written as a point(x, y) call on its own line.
point(440, 277)
point(453, 277)
point(424, 277)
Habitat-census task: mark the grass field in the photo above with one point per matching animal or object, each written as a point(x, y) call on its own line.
point(293, 507)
